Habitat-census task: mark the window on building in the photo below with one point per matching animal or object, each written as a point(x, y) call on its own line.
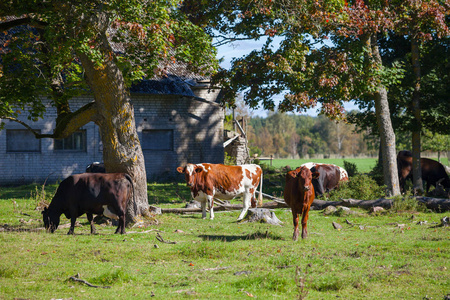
point(21, 140)
point(75, 142)
point(157, 139)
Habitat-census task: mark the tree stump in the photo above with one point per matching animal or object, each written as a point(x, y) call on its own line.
point(262, 215)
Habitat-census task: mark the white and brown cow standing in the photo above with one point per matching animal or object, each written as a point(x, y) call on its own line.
point(209, 181)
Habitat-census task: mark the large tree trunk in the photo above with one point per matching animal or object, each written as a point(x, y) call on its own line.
point(387, 135)
point(416, 169)
point(122, 150)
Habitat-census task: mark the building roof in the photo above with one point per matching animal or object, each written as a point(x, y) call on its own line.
point(169, 85)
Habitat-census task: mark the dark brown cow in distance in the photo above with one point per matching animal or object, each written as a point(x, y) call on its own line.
point(299, 195)
point(90, 194)
point(432, 171)
point(209, 181)
point(329, 179)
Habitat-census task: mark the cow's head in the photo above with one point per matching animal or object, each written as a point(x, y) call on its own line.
point(51, 220)
point(305, 177)
point(190, 171)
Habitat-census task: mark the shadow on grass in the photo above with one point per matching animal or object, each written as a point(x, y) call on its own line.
point(251, 236)
point(168, 193)
point(21, 228)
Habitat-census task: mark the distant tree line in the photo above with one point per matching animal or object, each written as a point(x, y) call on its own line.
point(298, 136)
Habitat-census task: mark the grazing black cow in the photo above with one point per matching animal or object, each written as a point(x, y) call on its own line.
point(432, 171)
point(96, 167)
point(93, 194)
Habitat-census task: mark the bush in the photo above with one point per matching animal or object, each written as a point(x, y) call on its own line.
point(268, 169)
point(360, 187)
point(377, 173)
point(351, 168)
point(229, 160)
point(407, 203)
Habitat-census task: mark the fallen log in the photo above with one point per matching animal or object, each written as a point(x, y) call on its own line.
point(436, 204)
point(367, 204)
point(322, 204)
point(229, 207)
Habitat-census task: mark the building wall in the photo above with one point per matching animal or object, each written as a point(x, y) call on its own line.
point(196, 123)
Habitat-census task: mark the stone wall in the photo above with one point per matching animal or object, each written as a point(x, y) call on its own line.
point(238, 150)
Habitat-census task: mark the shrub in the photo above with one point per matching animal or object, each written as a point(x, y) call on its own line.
point(360, 187)
point(268, 169)
point(229, 160)
point(377, 173)
point(351, 168)
point(407, 203)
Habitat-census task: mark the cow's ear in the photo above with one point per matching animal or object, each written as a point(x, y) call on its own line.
point(180, 169)
point(296, 172)
point(315, 175)
point(198, 169)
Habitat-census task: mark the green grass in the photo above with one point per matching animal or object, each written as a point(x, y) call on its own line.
point(364, 165)
point(386, 256)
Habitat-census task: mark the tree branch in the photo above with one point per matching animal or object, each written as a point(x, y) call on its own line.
point(36, 134)
point(222, 40)
point(66, 125)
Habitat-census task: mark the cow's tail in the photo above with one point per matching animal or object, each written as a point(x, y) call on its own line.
point(128, 177)
point(260, 197)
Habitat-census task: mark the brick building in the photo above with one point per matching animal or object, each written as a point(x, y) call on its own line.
point(177, 121)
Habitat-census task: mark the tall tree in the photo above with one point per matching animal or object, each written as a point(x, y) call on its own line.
point(306, 64)
point(58, 48)
point(420, 21)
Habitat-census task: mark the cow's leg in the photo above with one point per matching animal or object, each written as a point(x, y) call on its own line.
point(305, 214)
point(296, 231)
point(428, 185)
point(246, 203)
point(203, 204)
point(72, 224)
point(91, 222)
point(210, 200)
point(253, 202)
point(121, 228)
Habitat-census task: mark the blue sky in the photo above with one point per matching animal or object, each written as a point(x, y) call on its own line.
point(240, 48)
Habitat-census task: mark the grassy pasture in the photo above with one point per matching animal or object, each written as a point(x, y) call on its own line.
point(385, 256)
point(364, 165)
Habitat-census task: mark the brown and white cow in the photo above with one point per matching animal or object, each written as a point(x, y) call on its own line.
point(299, 195)
point(433, 172)
point(209, 181)
point(93, 194)
point(329, 179)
